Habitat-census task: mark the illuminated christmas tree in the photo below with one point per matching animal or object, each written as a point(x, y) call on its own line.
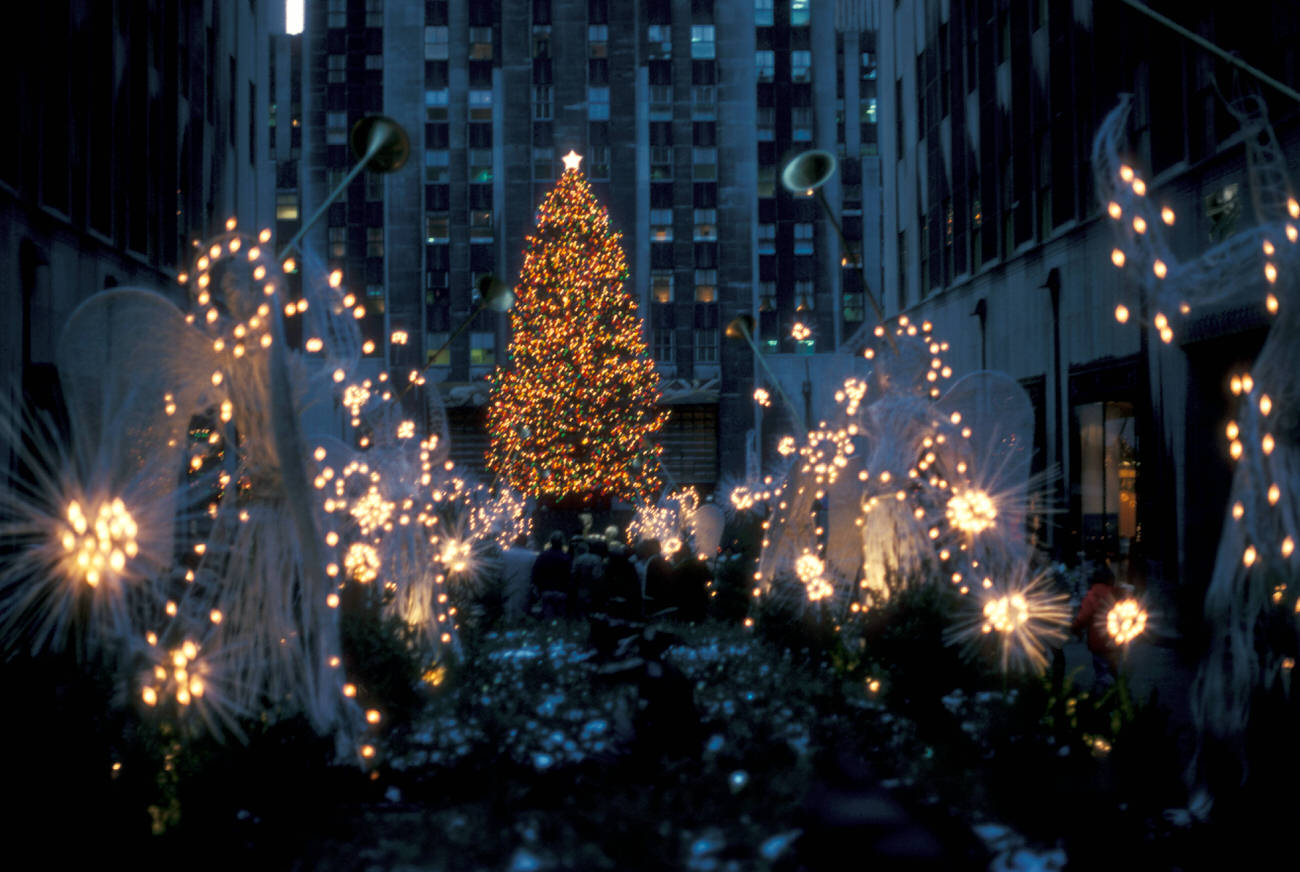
point(576, 414)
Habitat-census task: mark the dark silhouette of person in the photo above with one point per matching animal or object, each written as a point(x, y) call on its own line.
point(552, 579)
point(658, 577)
point(587, 571)
point(690, 585)
point(621, 587)
point(1096, 606)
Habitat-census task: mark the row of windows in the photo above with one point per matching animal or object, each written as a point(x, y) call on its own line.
point(664, 345)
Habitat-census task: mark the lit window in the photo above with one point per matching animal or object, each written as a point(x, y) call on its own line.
point(801, 122)
point(436, 357)
point(661, 225)
point(286, 206)
point(706, 286)
point(338, 237)
point(765, 64)
point(868, 65)
point(436, 162)
point(661, 286)
point(659, 33)
point(763, 13)
point(767, 239)
point(869, 110)
point(799, 12)
point(482, 348)
point(706, 224)
point(435, 43)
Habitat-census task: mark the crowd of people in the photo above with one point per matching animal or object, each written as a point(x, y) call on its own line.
point(591, 574)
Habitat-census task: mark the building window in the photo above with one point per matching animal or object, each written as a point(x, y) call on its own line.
point(766, 181)
point(436, 163)
point(1108, 475)
point(336, 69)
point(437, 227)
point(706, 286)
point(338, 238)
point(374, 242)
point(803, 239)
point(480, 105)
point(661, 285)
point(661, 162)
point(661, 225)
point(706, 225)
point(767, 296)
point(868, 66)
point(767, 239)
point(598, 103)
point(435, 43)
point(480, 43)
point(799, 12)
point(542, 102)
point(286, 206)
point(765, 64)
point(482, 349)
point(869, 111)
point(665, 344)
point(801, 123)
point(703, 98)
point(704, 162)
point(800, 66)
point(336, 128)
point(854, 307)
point(706, 346)
point(763, 13)
point(374, 62)
point(804, 298)
point(702, 45)
point(435, 105)
point(336, 13)
point(597, 40)
point(436, 356)
point(480, 165)
point(480, 226)
point(543, 164)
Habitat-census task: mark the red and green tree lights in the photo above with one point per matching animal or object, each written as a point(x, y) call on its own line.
point(575, 415)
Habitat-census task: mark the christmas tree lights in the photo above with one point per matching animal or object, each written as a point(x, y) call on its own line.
point(575, 414)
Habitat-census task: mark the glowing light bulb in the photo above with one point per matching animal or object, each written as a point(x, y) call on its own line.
point(1249, 556)
point(1159, 268)
point(1114, 210)
point(1117, 257)
point(1139, 224)
point(1270, 272)
point(1121, 312)
point(1167, 215)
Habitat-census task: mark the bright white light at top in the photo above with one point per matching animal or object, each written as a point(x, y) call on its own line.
point(293, 16)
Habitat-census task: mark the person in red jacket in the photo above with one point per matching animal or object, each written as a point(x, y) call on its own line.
point(1092, 617)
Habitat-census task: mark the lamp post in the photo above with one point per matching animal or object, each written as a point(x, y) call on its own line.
point(805, 174)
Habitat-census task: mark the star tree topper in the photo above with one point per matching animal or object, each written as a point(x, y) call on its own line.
point(571, 160)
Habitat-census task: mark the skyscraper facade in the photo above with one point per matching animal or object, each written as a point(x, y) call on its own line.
point(137, 129)
point(994, 231)
point(683, 111)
